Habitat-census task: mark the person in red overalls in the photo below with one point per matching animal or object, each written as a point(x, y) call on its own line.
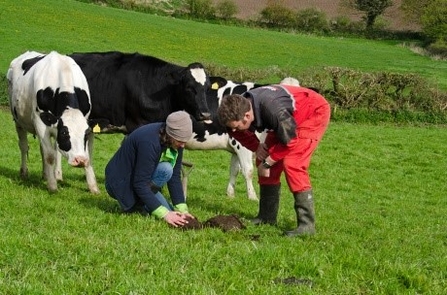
point(295, 119)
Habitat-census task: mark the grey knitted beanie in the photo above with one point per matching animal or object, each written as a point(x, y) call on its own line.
point(179, 126)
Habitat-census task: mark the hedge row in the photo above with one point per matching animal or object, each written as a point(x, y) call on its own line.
point(362, 96)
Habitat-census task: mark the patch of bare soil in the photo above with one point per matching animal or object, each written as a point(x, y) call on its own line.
point(224, 222)
point(193, 223)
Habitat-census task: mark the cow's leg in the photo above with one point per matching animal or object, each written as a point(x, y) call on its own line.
point(89, 173)
point(49, 155)
point(58, 168)
point(234, 171)
point(186, 170)
point(44, 177)
point(91, 179)
point(24, 147)
point(245, 157)
point(184, 182)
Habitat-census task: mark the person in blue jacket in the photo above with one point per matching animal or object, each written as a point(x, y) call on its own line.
point(149, 158)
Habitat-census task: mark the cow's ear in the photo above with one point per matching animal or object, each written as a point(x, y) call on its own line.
point(84, 102)
point(45, 100)
point(48, 118)
point(217, 82)
point(98, 125)
point(29, 63)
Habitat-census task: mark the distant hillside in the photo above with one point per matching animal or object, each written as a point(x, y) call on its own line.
point(251, 8)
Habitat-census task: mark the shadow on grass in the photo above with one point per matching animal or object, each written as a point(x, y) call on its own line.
point(33, 180)
point(221, 205)
point(105, 204)
point(36, 181)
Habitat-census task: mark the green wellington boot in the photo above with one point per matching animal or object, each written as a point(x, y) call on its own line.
point(305, 214)
point(268, 205)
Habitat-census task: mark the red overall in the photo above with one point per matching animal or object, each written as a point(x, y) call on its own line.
point(311, 114)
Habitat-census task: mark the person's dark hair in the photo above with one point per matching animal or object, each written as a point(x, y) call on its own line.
point(232, 108)
point(165, 139)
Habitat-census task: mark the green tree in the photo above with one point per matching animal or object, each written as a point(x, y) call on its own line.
point(430, 14)
point(413, 9)
point(371, 8)
point(434, 20)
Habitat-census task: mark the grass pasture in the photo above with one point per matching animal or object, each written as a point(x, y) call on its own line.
point(380, 203)
point(380, 190)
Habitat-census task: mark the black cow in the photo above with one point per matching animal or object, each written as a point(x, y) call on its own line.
point(130, 89)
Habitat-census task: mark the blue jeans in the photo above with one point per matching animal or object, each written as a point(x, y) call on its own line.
point(160, 177)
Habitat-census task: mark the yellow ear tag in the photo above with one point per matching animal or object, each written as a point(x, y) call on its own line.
point(215, 86)
point(96, 129)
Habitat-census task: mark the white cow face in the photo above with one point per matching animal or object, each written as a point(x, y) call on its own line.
point(72, 137)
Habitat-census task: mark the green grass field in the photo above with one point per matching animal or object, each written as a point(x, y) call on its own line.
point(68, 26)
point(380, 203)
point(380, 190)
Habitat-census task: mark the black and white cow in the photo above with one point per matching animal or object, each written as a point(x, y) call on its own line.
point(130, 90)
point(49, 97)
point(213, 136)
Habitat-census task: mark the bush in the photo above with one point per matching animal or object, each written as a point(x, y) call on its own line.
point(357, 96)
point(226, 9)
point(276, 15)
point(344, 26)
point(202, 9)
point(311, 20)
point(438, 49)
point(340, 24)
point(382, 95)
point(381, 91)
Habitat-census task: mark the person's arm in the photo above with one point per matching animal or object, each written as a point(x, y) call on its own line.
point(175, 186)
point(146, 161)
point(247, 138)
point(279, 151)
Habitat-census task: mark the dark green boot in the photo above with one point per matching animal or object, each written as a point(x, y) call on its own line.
point(268, 205)
point(305, 214)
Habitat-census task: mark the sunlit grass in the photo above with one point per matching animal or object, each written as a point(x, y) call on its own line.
point(380, 190)
point(380, 218)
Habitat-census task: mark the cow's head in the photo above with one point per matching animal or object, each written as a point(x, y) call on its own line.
point(62, 112)
point(194, 83)
point(73, 134)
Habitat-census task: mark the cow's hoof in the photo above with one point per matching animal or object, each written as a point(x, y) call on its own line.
point(52, 190)
point(95, 191)
point(230, 192)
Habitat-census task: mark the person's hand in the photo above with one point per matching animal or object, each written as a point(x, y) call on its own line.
point(262, 171)
point(262, 152)
point(189, 215)
point(176, 219)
